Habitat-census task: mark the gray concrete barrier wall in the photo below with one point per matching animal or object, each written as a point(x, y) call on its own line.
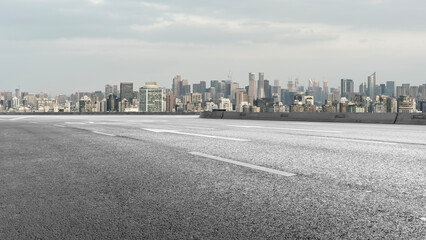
point(96, 113)
point(411, 118)
point(212, 115)
point(384, 118)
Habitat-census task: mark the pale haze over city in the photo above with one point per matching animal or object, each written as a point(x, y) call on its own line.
point(62, 46)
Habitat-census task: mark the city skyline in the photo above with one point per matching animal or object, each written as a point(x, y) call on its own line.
point(259, 76)
point(227, 95)
point(63, 45)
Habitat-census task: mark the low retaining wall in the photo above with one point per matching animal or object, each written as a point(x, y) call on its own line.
point(98, 113)
point(411, 118)
point(383, 118)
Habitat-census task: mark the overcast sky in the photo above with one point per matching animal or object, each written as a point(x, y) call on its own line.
point(63, 46)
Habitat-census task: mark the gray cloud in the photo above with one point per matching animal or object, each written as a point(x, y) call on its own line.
point(78, 44)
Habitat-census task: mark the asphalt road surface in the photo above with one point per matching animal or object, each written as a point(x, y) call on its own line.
point(181, 177)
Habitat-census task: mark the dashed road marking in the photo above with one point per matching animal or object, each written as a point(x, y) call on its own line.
point(248, 165)
point(102, 133)
point(75, 123)
point(356, 140)
point(18, 118)
point(56, 125)
point(200, 128)
point(195, 134)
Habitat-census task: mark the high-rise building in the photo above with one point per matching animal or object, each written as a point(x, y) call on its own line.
point(423, 92)
point(414, 92)
point(382, 88)
point(240, 96)
point(234, 87)
point(115, 90)
point(261, 86)
point(177, 83)
point(400, 91)
point(185, 88)
point(346, 88)
point(276, 91)
point(371, 84)
point(363, 88)
point(17, 95)
point(112, 103)
point(325, 90)
point(390, 88)
point(268, 89)
point(151, 98)
point(196, 88)
point(126, 91)
point(406, 89)
point(290, 87)
point(108, 90)
point(252, 92)
point(170, 101)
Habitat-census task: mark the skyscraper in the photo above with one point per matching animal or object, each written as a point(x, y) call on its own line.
point(151, 98)
point(363, 88)
point(261, 86)
point(399, 91)
point(185, 88)
point(382, 88)
point(414, 91)
point(346, 87)
point(126, 91)
point(17, 95)
point(406, 89)
point(170, 101)
point(423, 97)
point(252, 86)
point(290, 86)
point(267, 89)
point(390, 88)
point(108, 90)
point(115, 90)
point(176, 88)
point(372, 86)
point(325, 89)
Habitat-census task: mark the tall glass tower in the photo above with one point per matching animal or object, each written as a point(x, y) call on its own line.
point(371, 86)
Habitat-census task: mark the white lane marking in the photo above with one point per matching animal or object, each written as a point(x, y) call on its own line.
point(200, 128)
point(354, 140)
point(102, 133)
point(248, 165)
point(18, 118)
point(147, 121)
point(195, 134)
point(56, 125)
point(293, 129)
point(91, 122)
point(423, 219)
point(75, 123)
